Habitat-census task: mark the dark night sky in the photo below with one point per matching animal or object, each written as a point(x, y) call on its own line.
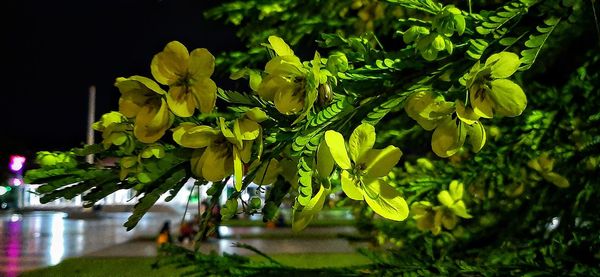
point(52, 51)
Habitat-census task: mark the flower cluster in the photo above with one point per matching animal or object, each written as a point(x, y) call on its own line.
point(432, 218)
point(489, 92)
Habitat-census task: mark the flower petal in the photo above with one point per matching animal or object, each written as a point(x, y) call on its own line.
point(456, 190)
point(448, 138)
point(198, 137)
point(181, 102)
point(465, 114)
point(304, 217)
point(238, 169)
point(445, 198)
point(325, 161)
point(379, 162)
point(337, 146)
point(509, 98)
point(481, 102)
point(180, 130)
point(168, 65)
point(280, 47)
point(350, 186)
point(202, 64)
point(476, 136)
point(205, 94)
point(288, 102)
point(361, 141)
point(152, 122)
point(503, 64)
point(249, 129)
point(197, 162)
point(217, 164)
point(389, 203)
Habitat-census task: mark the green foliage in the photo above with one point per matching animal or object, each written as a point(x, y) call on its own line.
point(535, 42)
point(519, 202)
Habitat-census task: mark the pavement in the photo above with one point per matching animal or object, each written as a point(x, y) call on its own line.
point(38, 239)
point(283, 241)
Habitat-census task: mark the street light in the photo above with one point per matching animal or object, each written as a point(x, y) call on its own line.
point(16, 163)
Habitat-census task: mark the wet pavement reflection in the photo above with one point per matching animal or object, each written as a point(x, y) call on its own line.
point(38, 239)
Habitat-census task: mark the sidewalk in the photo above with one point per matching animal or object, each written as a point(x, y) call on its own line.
point(317, 244)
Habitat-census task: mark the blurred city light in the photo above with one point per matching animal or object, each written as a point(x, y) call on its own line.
point(3, 191)
point(16, 182)
point(16, 162)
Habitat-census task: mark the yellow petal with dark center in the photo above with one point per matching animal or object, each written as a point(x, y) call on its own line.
point(152, 122)
point(481, 102)
point(202, 64)
point(287, 102)
point(181, 101)
point(170, 64)
point(197, 162)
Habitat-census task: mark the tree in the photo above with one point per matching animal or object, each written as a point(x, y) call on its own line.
point(498, 174)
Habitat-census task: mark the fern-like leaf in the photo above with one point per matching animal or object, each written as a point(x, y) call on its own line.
point(535, 42)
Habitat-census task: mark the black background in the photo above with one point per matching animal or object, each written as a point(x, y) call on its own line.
point(53, 51)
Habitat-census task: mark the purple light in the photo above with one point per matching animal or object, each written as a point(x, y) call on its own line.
point(16, 182)
point(16, 162)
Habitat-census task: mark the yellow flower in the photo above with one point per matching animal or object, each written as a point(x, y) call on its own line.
point(116, 130)
point(544, 165)
point(426, 216)
point(432, 218)
point(453, 123)
point(363, 169)
point(489, 89)
point(220, 151)
point(285, 81)
point(141, 98)
point(452, 199)
point(188, 78)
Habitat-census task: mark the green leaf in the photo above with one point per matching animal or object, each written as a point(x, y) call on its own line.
point(150, 197)
point(229, 209)
point(313, 207)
